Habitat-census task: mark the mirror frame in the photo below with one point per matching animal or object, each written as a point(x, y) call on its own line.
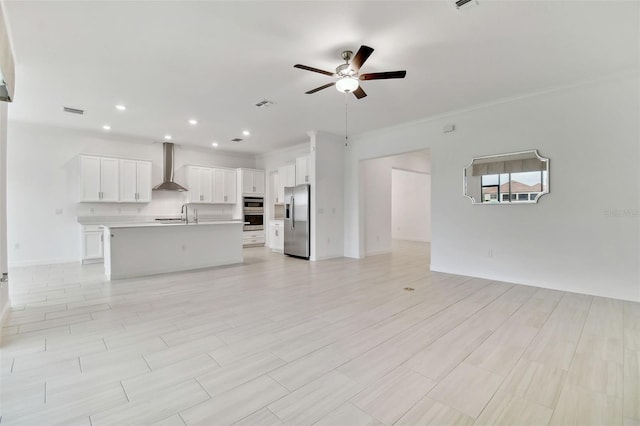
point(495, 156)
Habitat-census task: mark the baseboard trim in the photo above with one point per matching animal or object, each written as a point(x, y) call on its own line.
point(21, 263)
point(377, 252)
point(419, 240)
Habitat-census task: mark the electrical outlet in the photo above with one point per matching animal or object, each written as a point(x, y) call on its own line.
point(16, 246)
point(92, 210)
point(58, 211)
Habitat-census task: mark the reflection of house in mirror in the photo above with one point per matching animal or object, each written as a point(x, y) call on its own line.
point(519, 192)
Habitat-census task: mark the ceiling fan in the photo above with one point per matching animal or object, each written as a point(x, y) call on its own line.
point(348, 76)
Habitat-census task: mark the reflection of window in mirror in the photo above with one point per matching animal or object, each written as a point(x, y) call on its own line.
point(512, 187)
point(519, 177)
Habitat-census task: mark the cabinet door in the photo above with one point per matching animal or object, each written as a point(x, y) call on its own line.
point(109, 179)
point(230, 186)
point(282, 182)
point(128, 180)
point(218, 186)
point(92, 247)
point(90, 178)
point(258, 181)
point(291, 175)
point(302, 170)
point(143, 180)
point(277, 197)
point(247, 181)
point(193, 182)
point(206, 185)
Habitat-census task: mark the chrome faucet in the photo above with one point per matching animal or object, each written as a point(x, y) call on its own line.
point(195, 215)
point(185, 210)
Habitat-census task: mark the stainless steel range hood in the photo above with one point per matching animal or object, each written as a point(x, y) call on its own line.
point(167, 171)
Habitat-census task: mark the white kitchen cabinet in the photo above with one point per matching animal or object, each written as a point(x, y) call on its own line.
point(286, 177)
point(92, 244)
point(302, 170)
point(276, 235)
point(200, 181)
point(252, 182)
point(135, 181)
point(252, 238)
point(99, 178)
point(224, 186)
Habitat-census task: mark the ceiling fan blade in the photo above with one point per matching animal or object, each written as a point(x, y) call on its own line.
point(383, 75)
point(359, 93)
point(361, 57)
point(304, 67)
point(317, 89)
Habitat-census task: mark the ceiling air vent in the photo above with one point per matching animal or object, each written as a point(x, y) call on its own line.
point(264, 103)
point(236, 140)
point(73, 110)
point(460, 3)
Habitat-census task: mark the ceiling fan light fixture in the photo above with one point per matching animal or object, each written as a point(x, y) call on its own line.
point(347, 84)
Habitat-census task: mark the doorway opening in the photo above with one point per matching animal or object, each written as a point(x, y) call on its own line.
point(397, 204)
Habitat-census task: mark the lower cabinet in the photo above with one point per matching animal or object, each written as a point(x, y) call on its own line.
point(276, 235)
point(92, 244)
point(252, 238)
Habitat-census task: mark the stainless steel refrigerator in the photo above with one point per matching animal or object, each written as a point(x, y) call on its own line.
point(296, 221)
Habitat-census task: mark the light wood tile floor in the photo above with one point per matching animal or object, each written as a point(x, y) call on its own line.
point(279, 340)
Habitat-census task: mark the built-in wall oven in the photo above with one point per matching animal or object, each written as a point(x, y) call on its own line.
point(253, 210)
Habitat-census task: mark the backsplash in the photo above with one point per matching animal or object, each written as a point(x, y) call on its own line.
point(165, 204)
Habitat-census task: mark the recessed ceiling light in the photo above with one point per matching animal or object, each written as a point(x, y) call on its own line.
point(121, 107)
point(167, 137)
point(193, 122)
point(246, 132)
point(214, 144)
point(106, 127)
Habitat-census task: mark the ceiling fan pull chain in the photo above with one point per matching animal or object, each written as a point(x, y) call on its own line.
point(346, 119)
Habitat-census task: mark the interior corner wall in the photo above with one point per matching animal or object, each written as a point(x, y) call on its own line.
point(377, 205)
point(582, 237)
point(410, 205)
point(326, 164)
point(4, 287)
point(44, 187)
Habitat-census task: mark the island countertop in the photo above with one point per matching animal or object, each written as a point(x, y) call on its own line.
point(163, 224)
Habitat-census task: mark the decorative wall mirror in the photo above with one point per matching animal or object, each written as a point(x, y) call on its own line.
point(515, 178)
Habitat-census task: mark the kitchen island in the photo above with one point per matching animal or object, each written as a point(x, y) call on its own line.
point(138, 249)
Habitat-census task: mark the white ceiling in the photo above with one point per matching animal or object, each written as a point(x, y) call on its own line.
point(169, 61)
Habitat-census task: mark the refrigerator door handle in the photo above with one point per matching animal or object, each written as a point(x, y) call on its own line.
point(293, 212)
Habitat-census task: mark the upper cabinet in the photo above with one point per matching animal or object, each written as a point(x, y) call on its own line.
point(99, 179)
point(135, 181)
point(302, 170)
point(114, 180)
point(286, 178)
point(224, 186)
point(252, 181)
point(211, 185)
point(199, 181)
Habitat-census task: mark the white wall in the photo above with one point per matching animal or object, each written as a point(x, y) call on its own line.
point(410, 205)
point(44, 176)
point(377, 205)
point(327, 200)
point(377, 186)
point(4, 287)
point(583, 237)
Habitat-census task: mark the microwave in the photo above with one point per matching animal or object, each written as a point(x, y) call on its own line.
point(253, 203)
